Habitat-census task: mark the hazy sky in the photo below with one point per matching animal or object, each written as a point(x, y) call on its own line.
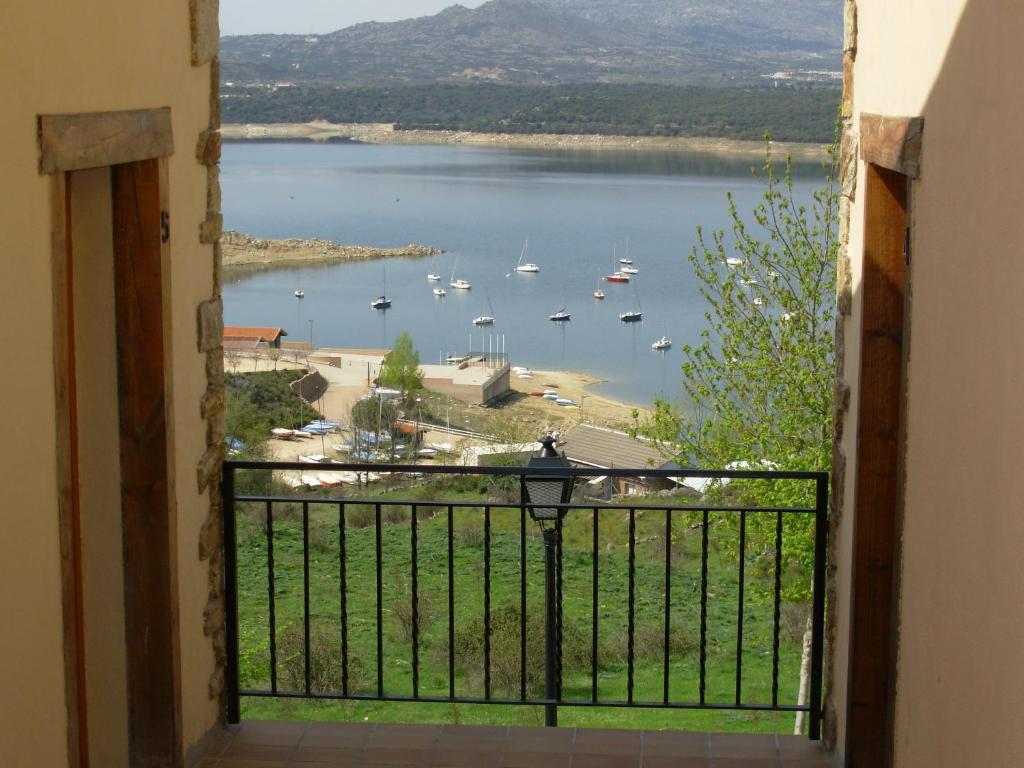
point(243, 17)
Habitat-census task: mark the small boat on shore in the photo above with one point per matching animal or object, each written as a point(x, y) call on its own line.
point(662, 344)
point(564, 401)
point(300, 294)
point(283, 434)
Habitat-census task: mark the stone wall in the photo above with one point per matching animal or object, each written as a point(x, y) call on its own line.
point(205, 44)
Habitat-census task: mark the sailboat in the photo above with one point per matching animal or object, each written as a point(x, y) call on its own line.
point(529, 266)
point(633, 315)
point(382, 301)
point(599, 294)
point(486, 319)
point(617, 275)
point(461, 284)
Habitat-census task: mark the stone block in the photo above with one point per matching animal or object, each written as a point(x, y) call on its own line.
point(210, 230)
point(210, 326)
point(205, 28)
point(208, 147)
point(208, 469)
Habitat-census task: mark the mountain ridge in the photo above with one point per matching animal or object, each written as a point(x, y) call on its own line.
point(557, 41)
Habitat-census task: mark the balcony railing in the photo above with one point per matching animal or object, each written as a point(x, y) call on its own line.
point(659, 602)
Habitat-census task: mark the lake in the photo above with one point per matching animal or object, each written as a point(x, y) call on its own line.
point(577, 208)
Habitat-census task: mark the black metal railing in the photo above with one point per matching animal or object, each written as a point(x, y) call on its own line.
point(691, 568)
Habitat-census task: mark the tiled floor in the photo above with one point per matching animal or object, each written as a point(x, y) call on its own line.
point(263, 744)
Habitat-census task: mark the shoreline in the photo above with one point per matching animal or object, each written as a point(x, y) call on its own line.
point(242, 251)
point(385, 133)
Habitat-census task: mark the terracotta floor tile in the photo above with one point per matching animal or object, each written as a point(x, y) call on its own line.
point(536, 760)
point(664, 761)
point(754, 745)
point(605, 761)
point(257, 752)
point(674, 744)
point(604, 742)
point(465, 758)
point(344, 735)
point(332, 756)
point(559, 740)
point(287, 734)
point(396, 756)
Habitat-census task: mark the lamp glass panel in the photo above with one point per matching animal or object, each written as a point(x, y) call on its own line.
point(544, 491)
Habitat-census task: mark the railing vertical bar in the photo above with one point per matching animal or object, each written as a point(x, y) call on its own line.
point(818, 607)
point(668, 603)
point(343, 597)
point(522, 591)
point(594, 610)
point(558, 609)
point(378, 544)
point(451, 602)
point(704, 607)
point(414, 548)
point(487, 602)
point(271, 597)
point(308, 665)
point(234, 715)
point(632, 607)
point(776, 627)
point(739, 611)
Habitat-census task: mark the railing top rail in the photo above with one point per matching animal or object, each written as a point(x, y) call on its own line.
point(481, 503)
point(437, 469)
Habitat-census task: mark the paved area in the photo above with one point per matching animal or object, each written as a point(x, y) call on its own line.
point(265, 744)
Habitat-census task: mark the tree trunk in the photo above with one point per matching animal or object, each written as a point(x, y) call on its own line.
point(805, 680)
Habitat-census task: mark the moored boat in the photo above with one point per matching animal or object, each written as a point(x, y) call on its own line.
point(561, 316)
point(432, 277)
point(440, 292)
point(381, 302)
point(300, 294)
point(527, 267)
point(617, 277)
point(662, 344)
point(631, 316)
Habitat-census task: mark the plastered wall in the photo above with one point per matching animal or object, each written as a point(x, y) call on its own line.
point(958, 64)
point(60, 57)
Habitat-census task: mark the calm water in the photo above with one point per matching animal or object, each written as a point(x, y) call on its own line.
point(480, 205)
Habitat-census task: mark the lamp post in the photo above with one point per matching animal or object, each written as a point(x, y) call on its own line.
point(542, 488)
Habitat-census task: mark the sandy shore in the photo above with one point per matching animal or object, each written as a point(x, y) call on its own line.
point(574, 385)
point(384, 133)
point(241, 250)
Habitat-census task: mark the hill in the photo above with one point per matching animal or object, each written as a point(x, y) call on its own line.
point(547, 42)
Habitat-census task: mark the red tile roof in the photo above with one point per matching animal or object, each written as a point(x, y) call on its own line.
point(247, 333)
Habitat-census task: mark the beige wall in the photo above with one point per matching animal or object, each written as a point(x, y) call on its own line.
point(58, 57)
point(957, 63)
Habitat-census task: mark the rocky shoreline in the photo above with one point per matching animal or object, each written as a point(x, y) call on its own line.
point(241, 250)
point(384, 133)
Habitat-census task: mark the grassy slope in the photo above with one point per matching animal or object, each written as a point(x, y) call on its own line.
point(469, 558)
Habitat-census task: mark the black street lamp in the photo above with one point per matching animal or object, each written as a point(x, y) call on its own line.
point(542, 490)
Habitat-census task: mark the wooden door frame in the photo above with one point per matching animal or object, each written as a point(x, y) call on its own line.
point(70, 143)
point(891, 150)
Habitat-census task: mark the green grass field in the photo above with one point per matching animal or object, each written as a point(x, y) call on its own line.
point(469, 577)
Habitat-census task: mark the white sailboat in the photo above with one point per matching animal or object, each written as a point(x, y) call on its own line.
point(529, 267)
point(462, 285)
point(486, 319)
